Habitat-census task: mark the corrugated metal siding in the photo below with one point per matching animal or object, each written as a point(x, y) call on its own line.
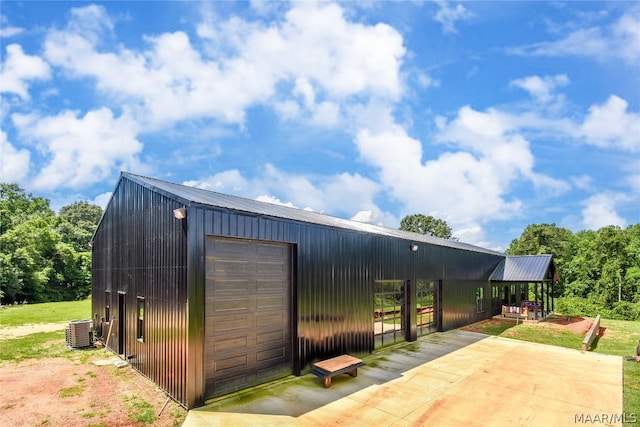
point(139, 248)
point(335, 267)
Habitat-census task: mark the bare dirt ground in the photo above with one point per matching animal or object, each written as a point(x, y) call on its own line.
point(576, 324)
point(75, 392)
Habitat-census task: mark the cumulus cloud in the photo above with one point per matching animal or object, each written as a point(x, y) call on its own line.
point(610, 125)
point(468, 185)
point(341, 193)
point(329, 60)
point(229, 181)
point(18, 69)
point(600, 211)
point(102, 199)
point(79, 151)
point(14, 163)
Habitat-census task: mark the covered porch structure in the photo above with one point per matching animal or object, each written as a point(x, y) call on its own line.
point(523, 287)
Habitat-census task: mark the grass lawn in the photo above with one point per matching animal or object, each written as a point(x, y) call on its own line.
point(620, 339)
point(48, 312)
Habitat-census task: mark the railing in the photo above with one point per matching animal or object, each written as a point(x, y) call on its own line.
point(515, 311)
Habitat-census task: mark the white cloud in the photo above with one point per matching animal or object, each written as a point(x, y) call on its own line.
point(79, 151)
point(609, 125)
point(600, 211)
point(329, 60)
point(18, 69)
point(274, 201)
point(619, 41)
point(14, 163)
point(340, 194)
point(467, 186)
point(230, 181)
point(448, 16)
point(541, 88)
point(102, 199)
point(7, 30)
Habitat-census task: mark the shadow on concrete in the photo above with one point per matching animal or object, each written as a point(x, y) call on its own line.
point(295, 396)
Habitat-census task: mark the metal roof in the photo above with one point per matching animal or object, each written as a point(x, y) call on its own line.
point(194, 196)
point(525, 268)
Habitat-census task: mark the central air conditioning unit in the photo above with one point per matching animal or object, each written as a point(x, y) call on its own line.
point(78, 334)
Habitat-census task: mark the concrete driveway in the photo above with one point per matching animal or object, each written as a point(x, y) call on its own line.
point(445, 379)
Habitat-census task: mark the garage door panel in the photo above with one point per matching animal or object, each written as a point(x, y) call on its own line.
point(270, 302)
point(225, 344)
point(224, 305)
point(228, 247)
point(271, 268)
point(266, 285)
point(237, 360)
point(247, 319)
point(230, 323)
point(268, 251)
point(230, 285)
point(271, 318)
point(277, 336)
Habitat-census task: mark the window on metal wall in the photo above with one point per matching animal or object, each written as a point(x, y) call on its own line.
point(480, 299)
point(425, 298)
point(141, 310)
point(387, 312)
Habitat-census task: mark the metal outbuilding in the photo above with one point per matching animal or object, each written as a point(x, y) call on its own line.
point(207, 293)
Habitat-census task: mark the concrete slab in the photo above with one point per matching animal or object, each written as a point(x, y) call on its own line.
point(449, 378)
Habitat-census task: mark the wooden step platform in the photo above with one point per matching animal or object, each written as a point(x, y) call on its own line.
point(329, 368)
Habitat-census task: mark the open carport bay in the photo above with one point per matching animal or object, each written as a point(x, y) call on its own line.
point(444, 379)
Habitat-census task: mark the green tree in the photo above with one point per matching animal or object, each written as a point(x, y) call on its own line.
point(44, 257)
point(77, 223)
point(27, 253)
point(423, 224)
point(16, 206)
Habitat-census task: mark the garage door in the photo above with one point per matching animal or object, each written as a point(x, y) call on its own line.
point(247, 313)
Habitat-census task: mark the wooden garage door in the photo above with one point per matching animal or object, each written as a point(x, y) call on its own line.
point(247, 313)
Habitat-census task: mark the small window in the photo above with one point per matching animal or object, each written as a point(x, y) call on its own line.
point(480, 300)
point(141, 309)
point(107, 306)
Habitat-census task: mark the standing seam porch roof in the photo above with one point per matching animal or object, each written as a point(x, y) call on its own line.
point(524, 268)
point(191, 195)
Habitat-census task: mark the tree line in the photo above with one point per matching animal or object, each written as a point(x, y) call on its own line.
point(44, 256)
point(599, 270)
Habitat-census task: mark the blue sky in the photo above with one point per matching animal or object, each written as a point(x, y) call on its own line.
point(489, 115)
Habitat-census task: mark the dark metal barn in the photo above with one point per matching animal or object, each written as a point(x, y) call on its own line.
point(207, 293)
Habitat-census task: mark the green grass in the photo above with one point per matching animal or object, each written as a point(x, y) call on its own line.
point(49, 312)
point(43, 345)
point(34, 346)
point(75, 390)
point(140, 410)
point(621, 339)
